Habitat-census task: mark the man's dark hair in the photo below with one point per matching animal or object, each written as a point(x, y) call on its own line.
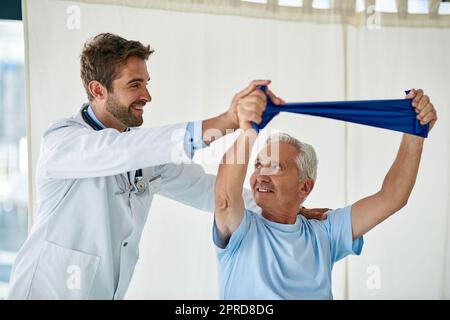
point(104, 55)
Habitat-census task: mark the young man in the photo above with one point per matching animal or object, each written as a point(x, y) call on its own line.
point(97, 175)
point(98, 172)
point(279, 254)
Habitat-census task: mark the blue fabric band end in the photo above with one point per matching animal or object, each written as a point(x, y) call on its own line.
point(397, 115)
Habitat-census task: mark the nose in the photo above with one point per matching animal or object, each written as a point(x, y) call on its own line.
point(146, 96)
point(262, 178)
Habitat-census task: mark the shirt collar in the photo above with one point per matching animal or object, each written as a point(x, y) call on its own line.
point(94, 118)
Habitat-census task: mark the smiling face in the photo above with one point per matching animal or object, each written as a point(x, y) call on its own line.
point(129, 93)
point(114, 75)
point(275, 182)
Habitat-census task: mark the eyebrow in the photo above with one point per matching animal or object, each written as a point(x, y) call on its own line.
point(138, 80)
point(258, 160)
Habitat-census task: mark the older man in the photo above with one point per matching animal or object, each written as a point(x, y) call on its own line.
point(279, 254)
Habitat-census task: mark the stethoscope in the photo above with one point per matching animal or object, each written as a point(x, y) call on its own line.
point(139, 181)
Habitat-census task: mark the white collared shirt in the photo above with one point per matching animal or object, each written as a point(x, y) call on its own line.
point(90, 216)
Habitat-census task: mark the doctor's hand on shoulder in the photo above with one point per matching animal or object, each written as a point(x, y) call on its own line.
point(314, 213)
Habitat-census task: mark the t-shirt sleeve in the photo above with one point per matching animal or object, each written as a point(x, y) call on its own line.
point(339, 229)
point(236, 238)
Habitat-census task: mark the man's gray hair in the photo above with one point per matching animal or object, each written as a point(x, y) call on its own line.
point(306, 159)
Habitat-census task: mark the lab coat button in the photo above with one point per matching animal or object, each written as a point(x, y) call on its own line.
point(125, 244)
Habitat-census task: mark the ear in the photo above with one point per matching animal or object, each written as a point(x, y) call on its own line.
point(97, 90)
point(305, 188)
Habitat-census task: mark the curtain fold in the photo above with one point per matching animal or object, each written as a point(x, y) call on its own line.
point(341, 12)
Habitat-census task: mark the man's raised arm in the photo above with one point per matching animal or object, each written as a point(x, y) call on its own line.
point(229, 205)
point(399, 181)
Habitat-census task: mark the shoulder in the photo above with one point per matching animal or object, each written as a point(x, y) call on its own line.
point(63, 128)
point(238, 237)
point(74, 122)
point(249, 219)
point(332, 217)
point(61, 124)
point(339, 213)
point(336, 220)
point(252, 215)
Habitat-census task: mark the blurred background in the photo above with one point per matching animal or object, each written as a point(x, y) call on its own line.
point(206, 51)
point(13, 141)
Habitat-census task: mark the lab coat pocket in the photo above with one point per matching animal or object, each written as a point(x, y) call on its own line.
point(63, 273)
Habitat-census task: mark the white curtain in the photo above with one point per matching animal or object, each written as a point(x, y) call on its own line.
point(409, 251)
point(201, 60)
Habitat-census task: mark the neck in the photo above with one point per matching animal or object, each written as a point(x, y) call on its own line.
point(286, 217)
point(106, 118)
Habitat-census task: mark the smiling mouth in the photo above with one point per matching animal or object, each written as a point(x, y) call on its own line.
point(138, 108)
point(263, 190)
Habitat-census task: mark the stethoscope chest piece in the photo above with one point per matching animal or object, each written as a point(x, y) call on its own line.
point(141, 185)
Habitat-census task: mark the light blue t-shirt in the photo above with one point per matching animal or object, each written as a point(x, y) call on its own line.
point(268, 260)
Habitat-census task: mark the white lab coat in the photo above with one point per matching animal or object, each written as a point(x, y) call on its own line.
point(84, 243)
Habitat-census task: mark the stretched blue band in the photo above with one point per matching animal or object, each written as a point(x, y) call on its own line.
point(397, 115)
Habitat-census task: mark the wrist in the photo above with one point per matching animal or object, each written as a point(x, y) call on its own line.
point(231, 119)
point(247, 128)
point(217, 127)
point(412, 139)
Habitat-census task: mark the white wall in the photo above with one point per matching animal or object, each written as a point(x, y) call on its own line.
point(200, 62)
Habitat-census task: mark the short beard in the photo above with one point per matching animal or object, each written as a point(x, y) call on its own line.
point(122, 113)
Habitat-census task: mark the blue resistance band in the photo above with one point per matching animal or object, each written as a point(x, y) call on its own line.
point(397, 115)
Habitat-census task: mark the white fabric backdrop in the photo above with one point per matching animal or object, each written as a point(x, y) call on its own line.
point(410, 250)
point(200, 62)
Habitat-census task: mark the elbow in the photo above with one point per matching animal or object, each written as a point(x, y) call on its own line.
point(222, 196)
point(397, 206)
point(226, 194)
point(226, 199)
point(399, 201)
point(221, 202)
point(401, 204)
point(395, 202)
